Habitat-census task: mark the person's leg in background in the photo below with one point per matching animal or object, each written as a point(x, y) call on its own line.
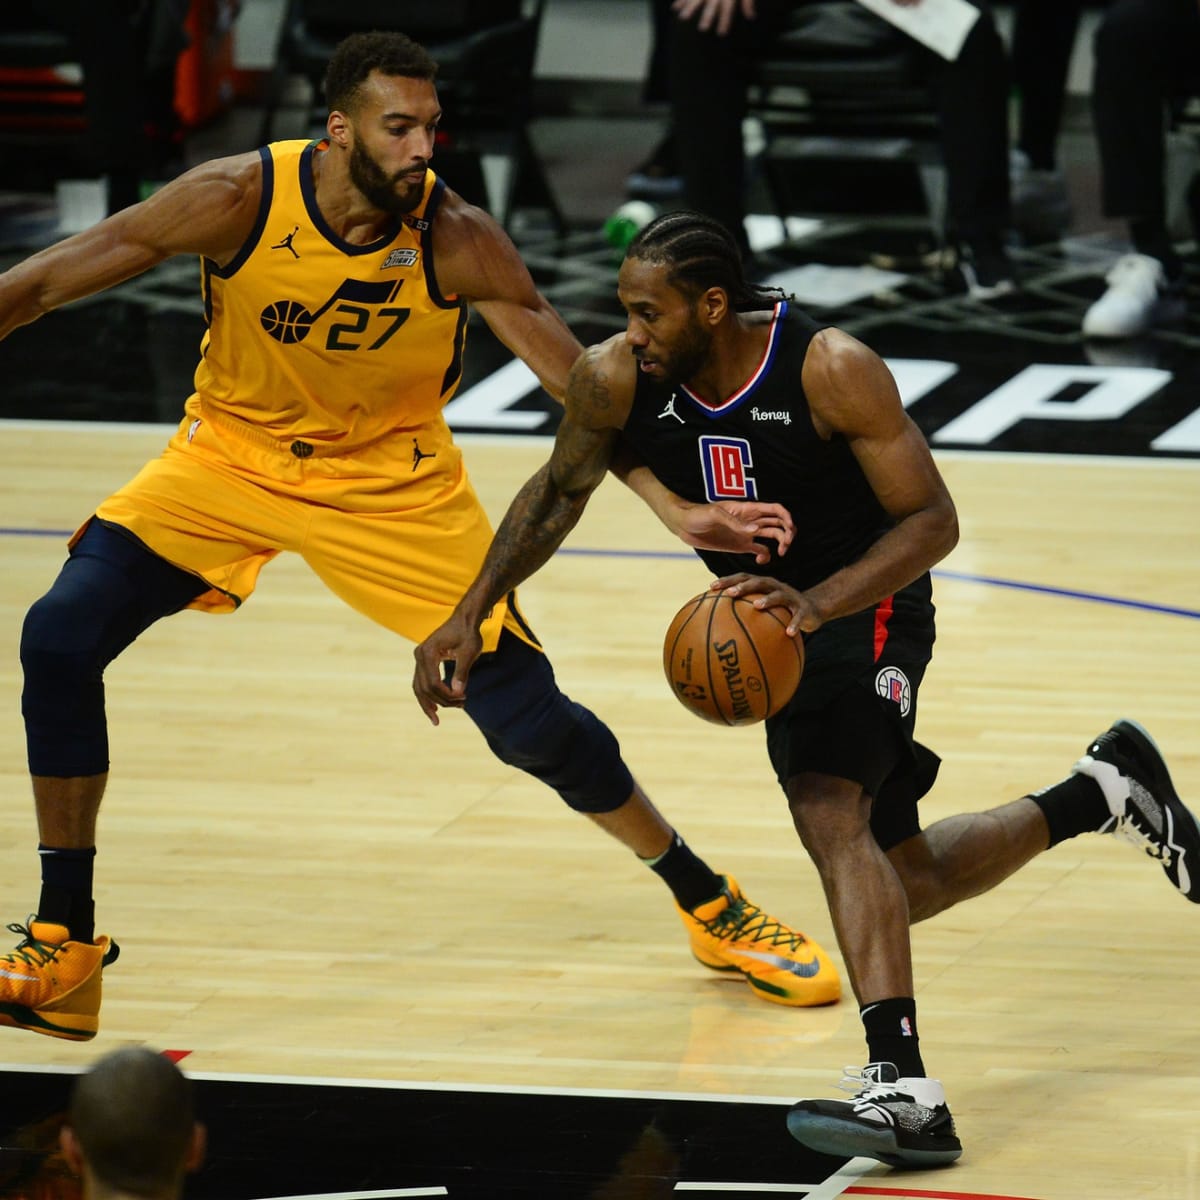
point(972, 98)
point(1043, 40)
point(1145, 52)
point(708, 105)
point(656, 177)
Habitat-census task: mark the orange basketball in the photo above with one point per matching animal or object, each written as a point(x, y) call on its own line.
point(729, 662)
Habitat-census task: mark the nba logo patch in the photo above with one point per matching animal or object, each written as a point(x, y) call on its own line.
point(400, 258)
point(892, 684)
point(726, 463)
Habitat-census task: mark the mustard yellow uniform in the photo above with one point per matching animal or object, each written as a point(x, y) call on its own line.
point(316, 421)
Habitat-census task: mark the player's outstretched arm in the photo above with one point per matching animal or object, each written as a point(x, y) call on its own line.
point(475, 260)
point(209, 211)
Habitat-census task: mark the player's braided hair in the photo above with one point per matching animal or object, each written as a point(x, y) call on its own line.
point(699, 253)
point(358, 55)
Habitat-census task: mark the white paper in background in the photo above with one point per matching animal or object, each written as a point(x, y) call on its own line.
point(942, 25)
point(82, 203)
point(765, 232)
point(817, 286)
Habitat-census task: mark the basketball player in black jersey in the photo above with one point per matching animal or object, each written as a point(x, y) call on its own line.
point(730, 393)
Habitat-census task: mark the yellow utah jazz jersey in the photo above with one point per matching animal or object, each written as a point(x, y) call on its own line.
point(298, 304)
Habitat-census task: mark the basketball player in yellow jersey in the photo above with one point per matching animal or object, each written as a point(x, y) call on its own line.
point(337, 278)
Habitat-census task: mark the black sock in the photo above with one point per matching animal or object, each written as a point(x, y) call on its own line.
point(67, 890)
point(691, 880)
point(891, 1028)
point(1075, 806)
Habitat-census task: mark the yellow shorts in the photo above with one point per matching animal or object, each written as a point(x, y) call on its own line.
point(394, 528)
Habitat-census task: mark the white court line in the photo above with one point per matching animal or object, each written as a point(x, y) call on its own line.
point(835, 1185)
point(842, 1178)
point(787, 1189)
point(410, 1085)
point(386, 1194)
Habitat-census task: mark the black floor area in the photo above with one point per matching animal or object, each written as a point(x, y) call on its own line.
point(281, 1139)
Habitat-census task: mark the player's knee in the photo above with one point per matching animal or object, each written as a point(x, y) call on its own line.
point(570, 750)
point(62, 701)
point(531, 725)
point(59, 646)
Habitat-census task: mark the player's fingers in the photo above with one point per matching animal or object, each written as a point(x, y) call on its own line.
point(776, 533)
point(425, 701)
point(463, 662)
point(727, 581)
point(750, 585)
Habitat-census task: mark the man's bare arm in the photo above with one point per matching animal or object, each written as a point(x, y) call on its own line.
point(852, 393)
point(541, 515)
point(734, 526)
point(475, 260)
point(549, 506)
point(208, 211)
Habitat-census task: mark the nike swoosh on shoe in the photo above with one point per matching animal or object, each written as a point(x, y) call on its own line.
point(803, 970)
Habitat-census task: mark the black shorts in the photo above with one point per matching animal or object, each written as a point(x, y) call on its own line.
point(854, 714)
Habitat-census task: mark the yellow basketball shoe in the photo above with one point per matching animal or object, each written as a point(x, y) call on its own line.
point(731, 933)
point(50, 984)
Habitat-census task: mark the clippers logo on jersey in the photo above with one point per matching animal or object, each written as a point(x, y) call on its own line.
point(288, 321)
point(892, 684)
point(726, 462)
point(400, 258)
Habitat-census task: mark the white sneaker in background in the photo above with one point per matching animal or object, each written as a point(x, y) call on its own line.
point(1138, 297)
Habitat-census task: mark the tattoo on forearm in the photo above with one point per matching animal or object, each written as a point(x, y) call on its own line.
point(536, 523)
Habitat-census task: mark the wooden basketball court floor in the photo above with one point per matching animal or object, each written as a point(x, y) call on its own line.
point(310, 882)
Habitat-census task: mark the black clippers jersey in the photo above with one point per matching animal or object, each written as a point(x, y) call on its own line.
point(760, 444)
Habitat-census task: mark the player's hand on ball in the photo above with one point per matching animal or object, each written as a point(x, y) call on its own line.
point(736, 526)
point(770, 593)
point(456, 641)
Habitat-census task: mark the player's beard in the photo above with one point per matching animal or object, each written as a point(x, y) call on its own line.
point(379, 187)
point(688, 355)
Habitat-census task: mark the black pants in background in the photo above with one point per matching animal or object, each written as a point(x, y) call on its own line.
point(708, 103)
point(1146, 52)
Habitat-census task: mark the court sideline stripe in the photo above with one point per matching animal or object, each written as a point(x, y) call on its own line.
point(1169, 610)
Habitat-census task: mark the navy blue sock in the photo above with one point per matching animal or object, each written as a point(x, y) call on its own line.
point(891, 1029)
point(691, 880)
point(67, 890)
